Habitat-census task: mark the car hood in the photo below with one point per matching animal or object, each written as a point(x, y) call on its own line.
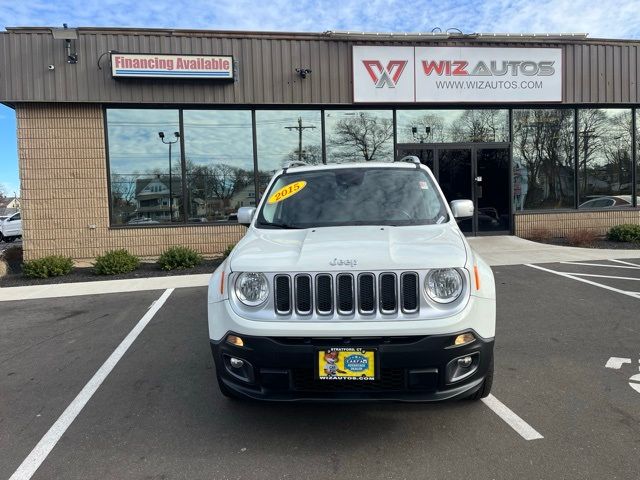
point(349, 248)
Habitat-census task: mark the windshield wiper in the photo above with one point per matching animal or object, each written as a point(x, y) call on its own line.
point(281, 225)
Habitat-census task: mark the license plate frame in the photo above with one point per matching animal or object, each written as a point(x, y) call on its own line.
point(363, 367)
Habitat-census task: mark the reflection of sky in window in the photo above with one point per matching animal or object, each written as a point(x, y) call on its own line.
point(134, 144)
point(214, 137)
point(276, 143)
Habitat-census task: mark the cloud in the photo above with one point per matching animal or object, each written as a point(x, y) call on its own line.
point(514, 16)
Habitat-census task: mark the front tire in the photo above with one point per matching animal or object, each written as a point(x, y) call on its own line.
point(485, 388)
point(1, 237)
point(9, 239)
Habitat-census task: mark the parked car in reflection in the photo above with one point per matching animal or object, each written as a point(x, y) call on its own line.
point(613, 201)
point(197, 220)
point(141, 221)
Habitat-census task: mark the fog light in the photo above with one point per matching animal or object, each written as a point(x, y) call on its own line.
point(465, 362)
point(237, 363)
point(463, 339)
point(462, 367)
point(234, 340)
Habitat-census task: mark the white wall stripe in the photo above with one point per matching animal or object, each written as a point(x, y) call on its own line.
point(40, 452)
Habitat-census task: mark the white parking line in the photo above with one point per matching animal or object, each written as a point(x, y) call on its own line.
point(525, 430)
point(33, 461)
point(603, 276)
point(584, 280)
point(637, 267)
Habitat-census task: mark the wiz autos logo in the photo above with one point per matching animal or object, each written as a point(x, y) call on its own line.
point(382, 76)
point(457, 68)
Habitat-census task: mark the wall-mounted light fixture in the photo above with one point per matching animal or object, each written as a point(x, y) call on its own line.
point(67, 34)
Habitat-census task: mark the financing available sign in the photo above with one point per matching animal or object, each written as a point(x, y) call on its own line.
point(172, 66)
point(456, 74)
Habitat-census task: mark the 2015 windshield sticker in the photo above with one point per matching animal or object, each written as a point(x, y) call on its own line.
point(287, 191)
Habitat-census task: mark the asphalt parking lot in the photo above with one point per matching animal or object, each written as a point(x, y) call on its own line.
point(158, 413)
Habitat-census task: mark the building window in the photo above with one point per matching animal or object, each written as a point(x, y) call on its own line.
point(636, 192)
point(450, 126)
point(218, 148)
point(145, 172)
point(284, 136)
point(359, 135)
point(543, 159)
point(604, 158)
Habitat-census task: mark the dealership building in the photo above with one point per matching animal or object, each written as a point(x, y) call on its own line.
point(147, 138)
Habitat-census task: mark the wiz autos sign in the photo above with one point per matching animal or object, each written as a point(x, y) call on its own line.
point(171, 66)
point(456, 74)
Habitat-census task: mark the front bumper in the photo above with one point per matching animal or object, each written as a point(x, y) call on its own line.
point(411, 368)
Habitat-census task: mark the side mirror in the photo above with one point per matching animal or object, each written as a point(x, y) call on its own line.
point(461, 209)
point(245, 215)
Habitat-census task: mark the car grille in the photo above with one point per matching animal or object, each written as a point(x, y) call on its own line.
point(344, 293)
point(391, 379)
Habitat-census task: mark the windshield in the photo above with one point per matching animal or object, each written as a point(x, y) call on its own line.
point(353, 196)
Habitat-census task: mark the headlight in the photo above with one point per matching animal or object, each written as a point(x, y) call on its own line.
point(443, 285)
point(252, 288)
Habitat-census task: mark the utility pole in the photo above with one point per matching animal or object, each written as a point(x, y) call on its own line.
point(299, 128)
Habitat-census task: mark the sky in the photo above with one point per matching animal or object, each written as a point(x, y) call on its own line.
point(598, 19)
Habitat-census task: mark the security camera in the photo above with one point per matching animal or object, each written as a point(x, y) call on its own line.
point(51, 67)
point(303, 72)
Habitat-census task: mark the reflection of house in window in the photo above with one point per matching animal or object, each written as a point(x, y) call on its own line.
point(245, 197)
point(152, 199)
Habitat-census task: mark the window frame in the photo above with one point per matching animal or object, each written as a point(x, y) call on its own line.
point(322, 108)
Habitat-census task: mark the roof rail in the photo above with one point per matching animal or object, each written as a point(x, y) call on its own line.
point(410, 158)
point(296, 163)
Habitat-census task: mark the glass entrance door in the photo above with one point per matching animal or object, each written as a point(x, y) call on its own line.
point(475, 171)
point(493, 208)
point(455, 178)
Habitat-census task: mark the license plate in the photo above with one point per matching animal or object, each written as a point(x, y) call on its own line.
point(342, 363)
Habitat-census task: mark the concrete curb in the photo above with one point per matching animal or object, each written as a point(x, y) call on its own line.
point(102, 287)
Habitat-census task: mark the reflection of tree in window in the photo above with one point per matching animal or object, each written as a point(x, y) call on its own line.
point(212, 188)
point(543, 158)
point(604, 148)
point(311, 154)
point(362, 136)
point(479, 126)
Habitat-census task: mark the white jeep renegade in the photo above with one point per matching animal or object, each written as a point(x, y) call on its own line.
point(353, 282)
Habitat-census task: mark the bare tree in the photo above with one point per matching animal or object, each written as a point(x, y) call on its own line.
point(219, 181)
point(311, 154)
point(363, 136)
point(543, 142)
point(478, 126)
point(123, 189)
point(592, 133)
point(3, 191)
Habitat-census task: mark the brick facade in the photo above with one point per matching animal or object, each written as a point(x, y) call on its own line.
point(63, 174)
point(560, 224)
